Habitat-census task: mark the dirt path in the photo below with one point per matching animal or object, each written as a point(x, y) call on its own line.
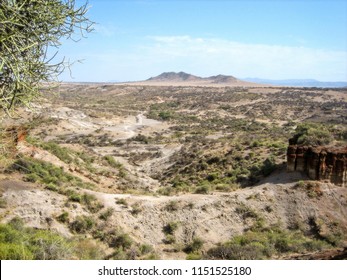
point(120, 129)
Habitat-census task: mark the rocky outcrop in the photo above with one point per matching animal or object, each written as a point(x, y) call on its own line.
point(319, 163)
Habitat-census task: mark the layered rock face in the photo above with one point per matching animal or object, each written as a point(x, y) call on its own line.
point(319, 163)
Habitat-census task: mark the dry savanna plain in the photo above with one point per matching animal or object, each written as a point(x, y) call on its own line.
point(168, 170)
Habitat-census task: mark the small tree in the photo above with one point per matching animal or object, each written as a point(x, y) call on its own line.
point(312, 134)
point(28, 28)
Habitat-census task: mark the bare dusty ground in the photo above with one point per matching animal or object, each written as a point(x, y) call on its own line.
point(213, 218)
point(149, 149)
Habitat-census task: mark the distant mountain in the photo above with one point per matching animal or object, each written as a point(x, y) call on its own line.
point(297, 83)
point(185, 77)
point(221, 79)
point(174, 77)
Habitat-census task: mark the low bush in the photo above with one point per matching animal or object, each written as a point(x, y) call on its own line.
point(194, 246)
point(63, 217)
point(123, 241)
point(170, 228)
point(21, 243)
point(82, 224)
point(105, 215)
point(112, 162)
point(312, 134)
point(46, 173)
point(246, 212)
point(3, 203)
point(263, 243)
point(122, 201)
point(172, 206)
point(86, 249)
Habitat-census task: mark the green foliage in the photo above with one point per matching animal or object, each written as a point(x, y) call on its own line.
point(86, 249)
point(171, 206)
point(268, 166)
point(122, 201)
point(62, 153)
point(312, 134)
point(146, 249)
point(202, 189)
point(194, 246)
point(20, 243)
point(28, 29)
point(54, 178)
point(63, 217)
point(141, 138)
point(105, 215)
point(169, 239)
point(92, 203)
point(112, 162)
point(82, 224)
point(45, 173)
point(312, 188)
point(3, 203)
point(89, 200)
point(170, 228)
point(165, 115)
point(136, 209)
point(246, 212)
point(193, 257)
point(123, 241)
point(263, 243)
point(15, 252)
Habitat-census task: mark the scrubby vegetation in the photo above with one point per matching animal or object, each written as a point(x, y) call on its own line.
point(204, 141)
point(53, 177)
point(18, 242)
point(265, 243)
point(318, 134)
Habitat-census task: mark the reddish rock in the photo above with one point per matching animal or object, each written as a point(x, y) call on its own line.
point(319, 162)
point(17, 133)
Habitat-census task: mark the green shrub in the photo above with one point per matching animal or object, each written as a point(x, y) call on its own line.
point(146, 249)
point(105, 215)
point(15, 252)
point(19, 242)
point(63, 217)
point(262, 243)
point(112, 162)
point(202, 190)
point(82, 224)
point(170, 228)
point(237, 252)
point(87, 249)
point(246, 212)
point(91, 202)
point(51, 187)
point(123, 241)
point(312, 134)
point(3, 203)
point(122, 201)
point(193, 257)
point(194, 246)
point(136, 209)
point(50, 246)
point(46, 173)
point(62, 153)
point(172, 206)
point(165, 115)
point(75, 197)
point(269, 165)
point(169, 239)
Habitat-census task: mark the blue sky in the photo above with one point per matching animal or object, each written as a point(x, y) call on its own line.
point(134, 39)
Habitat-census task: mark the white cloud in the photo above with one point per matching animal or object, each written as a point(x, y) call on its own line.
point(211, 56)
